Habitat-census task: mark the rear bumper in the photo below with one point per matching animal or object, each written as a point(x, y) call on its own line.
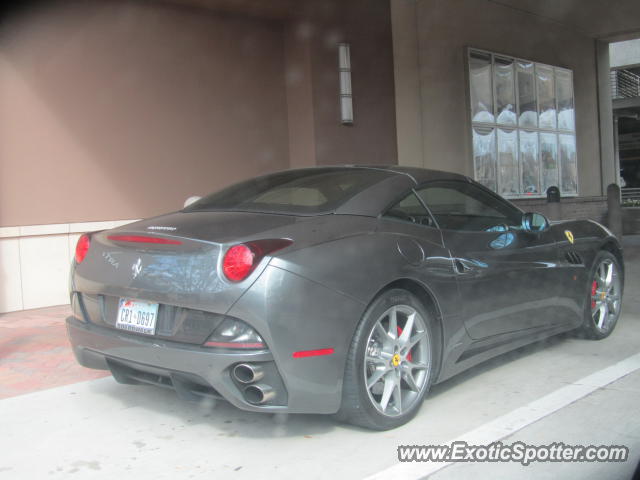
point(290, 313)
point(194, 372)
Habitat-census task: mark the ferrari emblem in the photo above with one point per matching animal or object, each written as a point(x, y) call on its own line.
point(569, 236)
point(136, 268)
point(395, 360)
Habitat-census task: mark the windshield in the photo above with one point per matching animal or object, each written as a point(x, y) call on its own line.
point(303, 192)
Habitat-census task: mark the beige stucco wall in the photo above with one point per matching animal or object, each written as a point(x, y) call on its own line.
point(444, 29)
point(299, 83)
point(366, 26)
point(113, 110)
point(121, 110)
point(407, 82)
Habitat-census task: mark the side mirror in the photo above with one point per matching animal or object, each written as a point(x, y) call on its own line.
point(534, 222)
point(191, 200)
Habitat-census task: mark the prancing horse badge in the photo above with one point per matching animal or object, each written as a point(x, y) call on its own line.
point(569, 236)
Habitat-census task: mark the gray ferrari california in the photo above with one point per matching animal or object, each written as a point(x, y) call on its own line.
point(336, 290)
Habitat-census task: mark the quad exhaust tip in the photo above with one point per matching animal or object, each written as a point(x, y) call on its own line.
point(254, 393)
point(259, 394)
point(246, 373)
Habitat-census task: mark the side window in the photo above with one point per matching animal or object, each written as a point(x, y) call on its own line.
point(409, 209)
point(464, 206)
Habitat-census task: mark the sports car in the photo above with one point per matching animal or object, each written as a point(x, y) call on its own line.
point(337, 290)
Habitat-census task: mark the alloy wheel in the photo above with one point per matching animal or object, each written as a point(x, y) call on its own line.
point(397, 360)
point(605, 295)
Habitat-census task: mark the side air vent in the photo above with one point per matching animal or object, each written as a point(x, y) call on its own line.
point(573, 257)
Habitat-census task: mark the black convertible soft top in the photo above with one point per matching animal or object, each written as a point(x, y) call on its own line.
point(350, 190)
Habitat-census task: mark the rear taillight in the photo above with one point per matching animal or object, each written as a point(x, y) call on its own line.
point(82, 247)
point(240, 260)
point(238, 263)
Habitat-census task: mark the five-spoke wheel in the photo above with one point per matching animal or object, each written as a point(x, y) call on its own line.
point(391, 362)
point(605, 296)
point(397, 360)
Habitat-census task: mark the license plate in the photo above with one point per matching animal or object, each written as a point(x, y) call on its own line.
point(137, 316)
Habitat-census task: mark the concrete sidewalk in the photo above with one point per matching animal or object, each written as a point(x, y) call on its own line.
point(101, 429)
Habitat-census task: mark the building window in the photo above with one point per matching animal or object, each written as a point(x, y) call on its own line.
point(522, 125)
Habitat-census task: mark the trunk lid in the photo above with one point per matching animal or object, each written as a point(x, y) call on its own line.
point(218, 227)
point(173, 258)
point(186, 271)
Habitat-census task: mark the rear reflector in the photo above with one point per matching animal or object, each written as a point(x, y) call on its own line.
point(313, 353)
point(143, 239)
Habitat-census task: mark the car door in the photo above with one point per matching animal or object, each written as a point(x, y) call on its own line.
point(417, 239)
point(507, 277)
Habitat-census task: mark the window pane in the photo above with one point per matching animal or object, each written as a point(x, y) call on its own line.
point(527, 95)
point(529, 162)
point(564, 87)
point(546, 96)
point(481, 90)
point(568, 165)
point(463, 206)
point(484, 155)
point(450, 201)
point(505, 91)
point(519, 108)
point(410, 210)
point(508, 180)
point(549, 160)
point(306, 191)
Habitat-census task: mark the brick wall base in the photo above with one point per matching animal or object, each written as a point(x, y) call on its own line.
point(593, 208)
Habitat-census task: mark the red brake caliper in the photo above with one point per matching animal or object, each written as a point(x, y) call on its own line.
point(409, 356)
point(594, 288)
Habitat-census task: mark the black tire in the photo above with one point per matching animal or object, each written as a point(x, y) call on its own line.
point(358, 406)
point(589, 328)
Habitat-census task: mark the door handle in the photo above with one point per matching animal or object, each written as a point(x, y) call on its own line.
point(461, 266)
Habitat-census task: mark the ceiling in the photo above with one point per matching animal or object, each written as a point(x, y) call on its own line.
point(270, 9)
point(265, 9)
point(607, 19)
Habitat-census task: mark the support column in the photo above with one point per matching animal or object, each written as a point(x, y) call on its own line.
point(609, 170)
point(614, 210)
